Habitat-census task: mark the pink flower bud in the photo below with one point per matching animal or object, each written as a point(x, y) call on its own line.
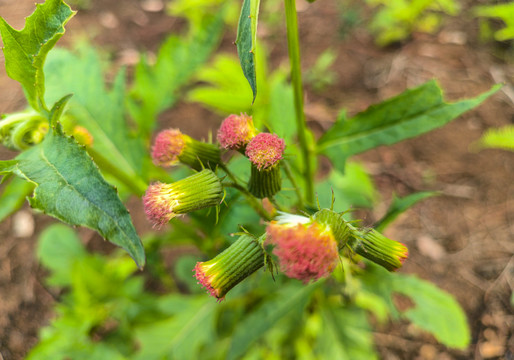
point(236, 131)
point(168, 146)
point(265, 150)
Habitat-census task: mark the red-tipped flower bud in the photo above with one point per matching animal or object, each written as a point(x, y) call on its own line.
point(171, 146)
point(229, 268)
point(236, 131)
point(162, 202)
point(306, 250)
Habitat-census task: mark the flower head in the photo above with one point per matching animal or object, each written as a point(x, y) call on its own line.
point(305, 250)
point(265, 150)
point(82, 135)
point(236, 131)
point(168, 146)
point(229, 268)
point(162, 202)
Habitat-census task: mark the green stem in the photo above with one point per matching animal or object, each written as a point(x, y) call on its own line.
point(296, 79)
point(252, 200)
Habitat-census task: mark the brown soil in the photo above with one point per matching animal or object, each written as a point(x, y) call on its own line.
point(461, 241)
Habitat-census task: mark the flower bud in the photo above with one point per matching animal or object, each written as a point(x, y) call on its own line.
point(306, 250)
point(376, 247)
point(162, 202)
point(265, 152)
point(236, 131)
point(171, 146)
point(229, 268)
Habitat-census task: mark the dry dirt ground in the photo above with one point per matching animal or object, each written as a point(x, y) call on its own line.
point(461, 241)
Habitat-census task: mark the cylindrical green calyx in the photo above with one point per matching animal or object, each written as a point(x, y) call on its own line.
point(376, 247)
point(266, 182)
point(162, 202)
point(229, 268)
point(340, 228)
point(199, 155)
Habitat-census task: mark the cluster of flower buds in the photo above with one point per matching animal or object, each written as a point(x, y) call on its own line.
point(305, 248)
point(264, 150)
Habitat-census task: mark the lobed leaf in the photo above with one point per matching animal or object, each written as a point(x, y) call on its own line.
point(412, 113)
point(26, 50)
point(70, 188)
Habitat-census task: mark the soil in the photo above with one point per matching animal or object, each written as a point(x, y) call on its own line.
point(462, 240)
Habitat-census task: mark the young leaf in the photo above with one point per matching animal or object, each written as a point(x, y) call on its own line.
point(501, 138)
point(246, 40)
point(412, 113)
point(25, 50)
point(70, 188)
point(399, 205)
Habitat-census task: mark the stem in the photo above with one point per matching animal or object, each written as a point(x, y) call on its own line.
point(252, 200)
point(296, 79)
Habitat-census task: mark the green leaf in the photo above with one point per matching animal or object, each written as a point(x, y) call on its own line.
point(400, 205)
point(70, 188)
point(58, 247)
point(180, 336)
point(502, 138)
point(502, 11)
point(436, 311)
point(100, 110)
point(254, 326)
point(13, 196)
point(412, 113)
point(156, 86)
point(25, 50)
point(246, 40)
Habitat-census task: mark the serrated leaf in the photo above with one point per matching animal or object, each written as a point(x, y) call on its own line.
point(246, 41)
point(13, 196)
point(25, 50)
point(255, 325)
point(412, 113)
point(100, 110)
point(70, 188)
point(156, 86)
point(58, 247)
point(400, 205)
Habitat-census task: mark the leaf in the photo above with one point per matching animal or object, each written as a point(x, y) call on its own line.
point(13, 196)
point(255, 325)
point(100, 110)
point(246, 41)
point(502, 11)
point(156, 86)
point(434, 310)
point(502, 138)
point(400, 205)
point(58, 247)
point(412, 113)
point(180, 336)
point(25, 50)
point(70, 188)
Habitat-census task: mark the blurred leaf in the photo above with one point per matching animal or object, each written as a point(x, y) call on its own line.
point(434, 310)
point(412, 113)
point(502, 138)
point(354, 188)
point(256, 324)
point(181, 336)
point(246, 41)
point(13, 196)
point(25, 51)
point(502, 11)
point(156, 86)
point(400, 205)
point(70, 188)
point(99, 110)
point(58, 247)
point(346, 334)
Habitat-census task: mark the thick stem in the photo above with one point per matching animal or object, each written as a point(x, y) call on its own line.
point(296, 79)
